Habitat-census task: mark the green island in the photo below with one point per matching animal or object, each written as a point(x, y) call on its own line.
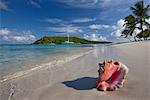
point(61, 40)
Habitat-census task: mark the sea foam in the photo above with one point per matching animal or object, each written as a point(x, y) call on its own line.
point(56, 62)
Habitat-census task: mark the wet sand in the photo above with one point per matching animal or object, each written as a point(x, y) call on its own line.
point(75, 80)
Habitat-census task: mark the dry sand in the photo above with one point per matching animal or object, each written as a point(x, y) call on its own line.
point(76, 79)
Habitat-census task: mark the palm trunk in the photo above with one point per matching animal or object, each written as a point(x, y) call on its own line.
point(135, 37)
point(141, 27)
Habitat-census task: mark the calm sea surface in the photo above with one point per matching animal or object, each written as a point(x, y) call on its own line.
point(18, 57)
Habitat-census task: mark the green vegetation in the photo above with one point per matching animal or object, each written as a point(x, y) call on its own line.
point(145, 34)
point(60, 40)
point(137, 21)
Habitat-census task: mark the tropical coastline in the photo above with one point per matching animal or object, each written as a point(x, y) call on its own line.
point(48, 82)
point(49, 57)
point(75, 50)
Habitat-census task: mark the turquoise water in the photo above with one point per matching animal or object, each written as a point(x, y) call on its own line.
point(18, 57)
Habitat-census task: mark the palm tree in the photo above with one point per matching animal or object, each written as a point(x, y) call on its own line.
point(130, 26)
point(145, 34)
point(125, 33)
point(141, 14)
point(137, 21)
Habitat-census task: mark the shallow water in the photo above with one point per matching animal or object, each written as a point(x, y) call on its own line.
point(18, 57)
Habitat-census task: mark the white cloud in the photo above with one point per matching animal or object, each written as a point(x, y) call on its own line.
point(83, 20)
point(106, 2)
point(103, 38)
point(3, 5)
point(35, 3)
point(148, 20)
point(90, 3)
point(118, 28)
point(80, 3)
point(96, 3)
point(110, 3)
point(98, 26)
point(65, 29)
point(13, 36)
point(4, 31)
point(61, 21)
point(24, 38)
point(55, 21)
point(95, 37)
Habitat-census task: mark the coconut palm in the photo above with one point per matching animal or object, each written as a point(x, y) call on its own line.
point(137, 20)
point(145, 34)
point(141, 14)
point(130, 26)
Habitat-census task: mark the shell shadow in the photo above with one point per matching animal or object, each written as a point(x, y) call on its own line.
point(84, 83)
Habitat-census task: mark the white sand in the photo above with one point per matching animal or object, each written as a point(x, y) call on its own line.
point(76, 79)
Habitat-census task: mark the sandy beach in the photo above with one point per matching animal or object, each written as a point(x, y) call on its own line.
point(76, 79)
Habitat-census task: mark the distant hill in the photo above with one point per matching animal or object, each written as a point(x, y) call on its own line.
point(60, 40)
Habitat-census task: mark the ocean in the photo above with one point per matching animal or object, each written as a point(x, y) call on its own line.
point(20, 57)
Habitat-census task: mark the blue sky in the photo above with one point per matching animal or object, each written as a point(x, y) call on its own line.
point(24, 21)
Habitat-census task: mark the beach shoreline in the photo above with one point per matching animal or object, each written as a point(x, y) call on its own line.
point(39, 67)
point(52, 60)
point(7, 83)
point(77, 77)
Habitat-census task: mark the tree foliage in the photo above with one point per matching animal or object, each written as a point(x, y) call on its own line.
point(130, 25)
point(145, 34)
point(137, 21)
